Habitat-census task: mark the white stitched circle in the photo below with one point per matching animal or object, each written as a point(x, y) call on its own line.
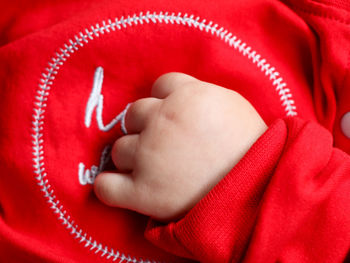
point(109, 26)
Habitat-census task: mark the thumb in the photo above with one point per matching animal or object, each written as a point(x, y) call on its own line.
point(116, 189)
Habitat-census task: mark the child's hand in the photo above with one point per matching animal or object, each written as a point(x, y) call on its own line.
point(181, 143)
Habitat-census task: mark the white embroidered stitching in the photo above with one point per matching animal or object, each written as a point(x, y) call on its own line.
point(96, 101)
point(88, 176)
point(80, 40)
point(123, 127)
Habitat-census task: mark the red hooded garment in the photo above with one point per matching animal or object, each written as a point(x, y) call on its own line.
point(287, 200)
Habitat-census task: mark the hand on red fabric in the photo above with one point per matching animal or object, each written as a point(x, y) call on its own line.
point(181, 142)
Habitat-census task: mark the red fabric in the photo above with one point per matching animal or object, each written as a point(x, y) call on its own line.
point(276, 205)
point(287, 200)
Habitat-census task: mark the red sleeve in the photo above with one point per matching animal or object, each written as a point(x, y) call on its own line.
point(287, 200)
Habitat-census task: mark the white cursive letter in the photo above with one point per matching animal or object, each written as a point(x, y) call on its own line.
point(96, 101)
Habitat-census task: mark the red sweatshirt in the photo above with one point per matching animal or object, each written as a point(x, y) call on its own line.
point(287, 200)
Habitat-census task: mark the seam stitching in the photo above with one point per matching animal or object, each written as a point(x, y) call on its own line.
point(82, 38)
point(315, 13)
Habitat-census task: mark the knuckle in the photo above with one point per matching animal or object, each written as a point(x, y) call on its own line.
point(169, 114)
point(118, 144)
point(135, 107)
point(169, 77)
point(118, 148)
point(175, 79)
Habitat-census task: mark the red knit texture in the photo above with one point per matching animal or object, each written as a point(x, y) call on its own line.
point(287, 200)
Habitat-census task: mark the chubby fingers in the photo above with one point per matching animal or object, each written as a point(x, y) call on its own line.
point(141, 111)
point(139, 114)
point(116, 189)
point(136, 119)
point(123, 152)
point(169, 82)
point(126, 188)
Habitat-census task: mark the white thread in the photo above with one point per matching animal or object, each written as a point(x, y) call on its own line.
point(123, 127)
point(84, 37)
point(96, 101)
point(94, 95)
point(88, 176)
